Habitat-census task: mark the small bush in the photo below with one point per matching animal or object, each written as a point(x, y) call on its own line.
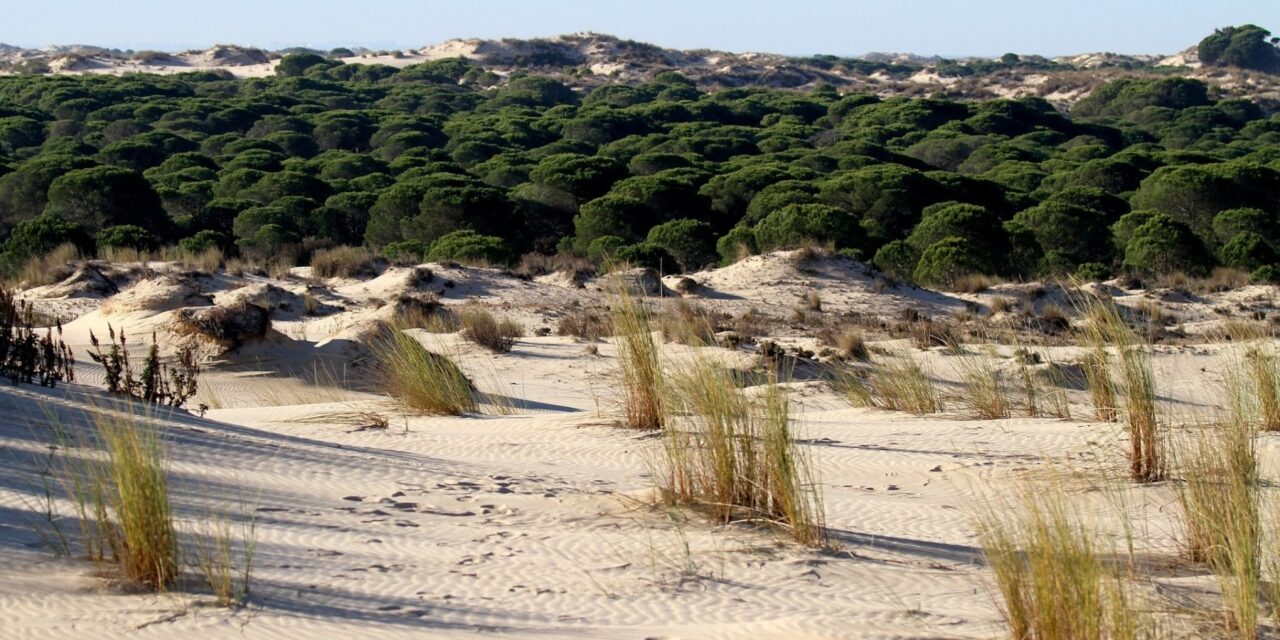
point(158, 383)
point(849, 342)
point(342, 262)
point(481, 327)
point(1093, 272)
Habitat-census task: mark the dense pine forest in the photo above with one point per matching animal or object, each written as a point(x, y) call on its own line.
point(445, 161)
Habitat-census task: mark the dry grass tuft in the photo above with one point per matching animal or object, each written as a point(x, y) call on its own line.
point(343, 262)
point(50, 268)
point(1053, 577)
point(737, 459)
point(481, 327)
point(849, 341)
point(584, 325)
point(638, 358)
point(688, 323)
point(1219, 500)
point(898, 383)
point(984, 387)
point(1105, 327)
point(420, 380)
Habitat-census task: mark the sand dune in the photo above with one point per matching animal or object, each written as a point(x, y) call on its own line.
point(539, 523)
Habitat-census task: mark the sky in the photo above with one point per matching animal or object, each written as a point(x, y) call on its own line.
point(944, 27)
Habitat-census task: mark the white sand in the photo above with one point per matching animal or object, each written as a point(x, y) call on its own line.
point(539, 524)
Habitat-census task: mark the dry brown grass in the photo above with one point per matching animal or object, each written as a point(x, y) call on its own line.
point(848, 340)
point(984, 386)
point(1052, 573)
point(898, 383)
point(736, 458)
point(1219, 500)
point(583, 324)
point(483, 328)
point(688, 323)
point(638, 358)
point(50, 268)
point(343, 262)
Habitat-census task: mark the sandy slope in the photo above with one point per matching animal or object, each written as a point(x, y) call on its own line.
point(537, 523)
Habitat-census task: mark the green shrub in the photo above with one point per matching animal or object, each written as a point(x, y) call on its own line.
point(604, 248)
point(1164, 245)
point(1093, 272)
point(127, 236)
point(897, 259)
point(796, 225)
point(739, 243)
point(647, 255)
point(202, 241)
point(406, 252)
point(1267, 273)
point(469, 246)
point(688, 241)
point(1247, 250)
point(944, 262)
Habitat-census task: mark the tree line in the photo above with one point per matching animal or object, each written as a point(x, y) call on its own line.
point(445, 160)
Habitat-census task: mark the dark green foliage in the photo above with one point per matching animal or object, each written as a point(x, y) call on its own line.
point(897, 259)
point(1246, 47)
point(947, 260)
point(602, 249)
point(1165, 245)
point(689, 241)
point(352, 154)
point(407, 252)
point(797, 225)
point(1248, 251)
point(1266, 274)
point(203, 241)
point(127, 235)
point(469, 246)
point(735, 245)
point(648, 255)
point(1093, 272)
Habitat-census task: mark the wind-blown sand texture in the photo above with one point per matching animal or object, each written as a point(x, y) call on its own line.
point(540, 523)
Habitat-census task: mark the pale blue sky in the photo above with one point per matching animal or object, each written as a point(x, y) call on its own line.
point(945, 27)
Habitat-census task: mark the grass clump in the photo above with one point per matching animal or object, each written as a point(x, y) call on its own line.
point(481, 327)
point(1106, 327)
point(849, 342)
point(896, 383)
point(583, 325)
point(224, 557)
point(735, 457)
point(638, 359)
point(1053, 579)
point(1219, 503)
point(984, 387)
point(419, 379)
point(120, 490)
point(342, 262)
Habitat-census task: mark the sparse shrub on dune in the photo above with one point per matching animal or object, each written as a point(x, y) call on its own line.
point(687, 323)
point(734, 455)
point(421, 380)
point(158, 382)
point(849, 342)
point(51, 267)
point(483, 328)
